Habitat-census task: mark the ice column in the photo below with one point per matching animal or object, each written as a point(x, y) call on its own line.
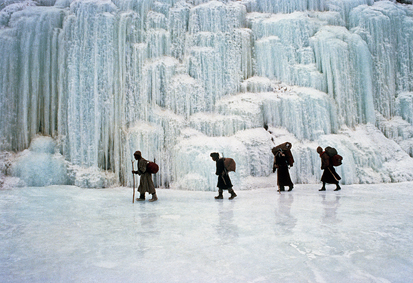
point(29, 68)
point(157, 76)
point(178, 26)
point(8, 91)
point(158, 38)
point(344, 7)
point(281, 6)
point(91, 56)
point(218, 48)
point(345, 62)
point(283, 49)
point(386, 29)
point(185, 96)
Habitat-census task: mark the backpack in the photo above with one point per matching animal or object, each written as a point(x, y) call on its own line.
point(290, 157)
point(286, 148)
point(152, 167)
point(336, 160)
point(331, 151)
point(229, 164)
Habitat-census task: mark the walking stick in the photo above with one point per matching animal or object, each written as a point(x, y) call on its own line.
point(133, 176)
point(334, 176)
point(222, 176)
point(279, 190)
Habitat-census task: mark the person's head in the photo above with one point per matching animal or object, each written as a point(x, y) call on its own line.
point(214, 156)
point(137, 155)
point(319, 150)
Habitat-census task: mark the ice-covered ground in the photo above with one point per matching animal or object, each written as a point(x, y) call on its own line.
point(363, 233)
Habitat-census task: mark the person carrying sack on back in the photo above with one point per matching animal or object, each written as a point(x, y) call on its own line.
point(224, 182)
point(283, 159)
point(283, 175)
point(146, 183)
point(330, 175)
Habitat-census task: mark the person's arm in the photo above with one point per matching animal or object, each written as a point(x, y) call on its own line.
point(142, 166)
point(274, 166)
point(220, 167)
point(325, 161)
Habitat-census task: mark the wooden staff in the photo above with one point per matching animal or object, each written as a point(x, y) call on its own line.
point(334, 176)
point(133, 176)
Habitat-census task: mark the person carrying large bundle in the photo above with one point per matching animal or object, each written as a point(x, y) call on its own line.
point(329, 159)
point(283, 159)
point(224, 165)
point(146, 183)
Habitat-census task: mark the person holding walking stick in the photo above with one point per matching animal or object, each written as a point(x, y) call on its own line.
point(146, 183)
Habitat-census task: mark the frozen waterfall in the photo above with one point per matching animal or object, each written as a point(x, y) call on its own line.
point(91, 81)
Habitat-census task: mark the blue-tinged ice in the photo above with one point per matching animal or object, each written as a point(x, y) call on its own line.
point(40, 165)
point(181, 79)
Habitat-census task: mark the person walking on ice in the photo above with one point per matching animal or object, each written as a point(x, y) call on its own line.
point(224, 182)
point(328, 161)
point(283, 159)
point(146, 183)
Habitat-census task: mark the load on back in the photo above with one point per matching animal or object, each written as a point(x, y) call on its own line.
point(335, 158)
point(152, 167)
point(286, 148)
point(229, 164)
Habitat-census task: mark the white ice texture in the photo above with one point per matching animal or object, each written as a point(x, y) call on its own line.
point(41, 165)
point(178, 80)
point(360, 234)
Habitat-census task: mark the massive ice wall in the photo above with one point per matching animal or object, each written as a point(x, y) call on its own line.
point(180, 79)
point(387, 30)
point(29, 75)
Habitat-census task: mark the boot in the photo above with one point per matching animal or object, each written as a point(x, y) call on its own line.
point(233, 194)
point(323, 188)
point(154, 198)
point(282, 189)
point(141, 197)
point(338, 188)
point(290, 189)
point(219, 196)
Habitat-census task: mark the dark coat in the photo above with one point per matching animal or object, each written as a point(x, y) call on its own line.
point(224, 182)
point(330, 175)
point(146, 183)
point(281, 162)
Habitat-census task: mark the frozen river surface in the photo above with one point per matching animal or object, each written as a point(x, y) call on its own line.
point(363, 233)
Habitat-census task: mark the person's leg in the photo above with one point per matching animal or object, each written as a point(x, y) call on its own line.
point(323, 188)
point(219, 196)
point(233, 194)
point(154, 197)
point(141, 197)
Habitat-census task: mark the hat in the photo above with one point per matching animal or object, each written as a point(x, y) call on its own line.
point(214, 155)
